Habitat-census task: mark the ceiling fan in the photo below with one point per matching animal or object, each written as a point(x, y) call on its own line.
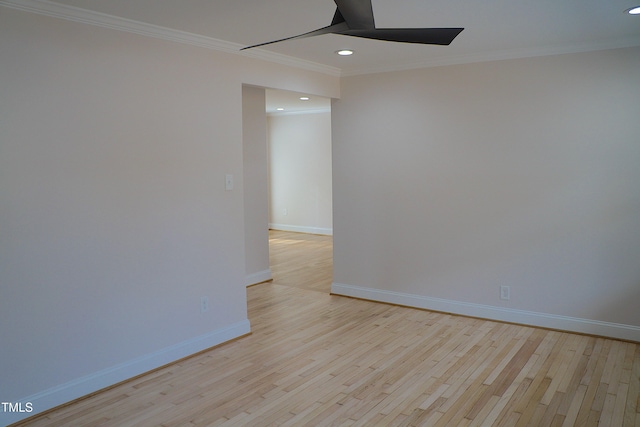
point(355, 18)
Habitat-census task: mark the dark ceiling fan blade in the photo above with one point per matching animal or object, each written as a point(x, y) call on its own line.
point(336, 28)
point(357, 13)
point(337, 18)
point(439, 36)
point(355, 18)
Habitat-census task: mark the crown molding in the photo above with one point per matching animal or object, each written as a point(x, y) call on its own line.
point(76, 14)
point(499, 56)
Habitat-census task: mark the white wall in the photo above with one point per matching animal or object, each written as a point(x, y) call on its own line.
point(256, 187)
point(300, 172)
point(450, 182)
point(114, 219)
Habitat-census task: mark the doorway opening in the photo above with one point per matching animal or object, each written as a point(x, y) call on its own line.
point(288, 188)
point(299, 162)
point(300, 189)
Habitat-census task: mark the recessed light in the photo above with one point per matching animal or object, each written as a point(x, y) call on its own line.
point(279, 109)
point(634, 10)
point(344, 52)
point(304, 98)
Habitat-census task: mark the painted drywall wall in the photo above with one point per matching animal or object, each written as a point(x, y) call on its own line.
point(256, 188)
point(300, 173)
point(114, 218)
point(451, 182)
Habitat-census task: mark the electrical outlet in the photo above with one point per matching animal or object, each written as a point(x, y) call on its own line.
point(505, 293)
point(204, 304)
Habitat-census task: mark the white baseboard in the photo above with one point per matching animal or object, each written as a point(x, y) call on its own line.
point(91, 383)
point(302, 229)
point(544, 320)
point(259, 277)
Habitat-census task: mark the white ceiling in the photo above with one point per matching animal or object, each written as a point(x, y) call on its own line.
point(494, 29)
point(291, 103)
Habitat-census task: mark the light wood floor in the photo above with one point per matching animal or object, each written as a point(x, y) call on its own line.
point(301, 260)
point(315, 359)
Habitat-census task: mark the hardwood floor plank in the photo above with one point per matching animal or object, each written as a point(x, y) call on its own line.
point(595, 367)
point(632, 408)
point(317, 359)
